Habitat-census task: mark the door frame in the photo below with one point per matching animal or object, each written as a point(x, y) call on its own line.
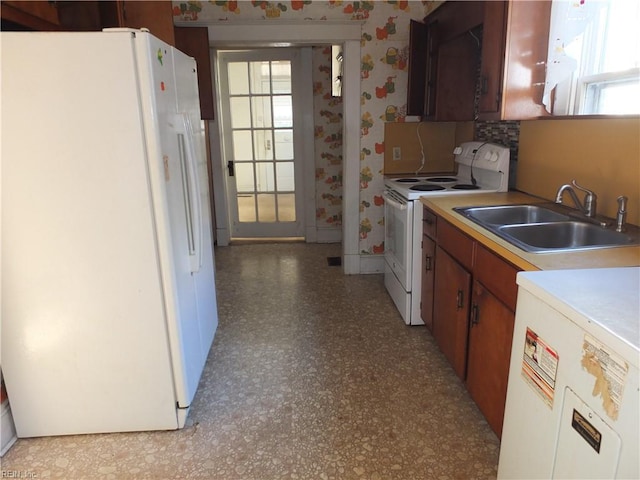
point(237, 35)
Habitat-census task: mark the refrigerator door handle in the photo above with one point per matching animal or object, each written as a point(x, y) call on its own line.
point(191, 190)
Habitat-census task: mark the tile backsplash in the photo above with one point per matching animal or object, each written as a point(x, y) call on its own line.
point(506, 133)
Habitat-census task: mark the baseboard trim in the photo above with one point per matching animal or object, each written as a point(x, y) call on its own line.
point(326, 235)
point(371, 264)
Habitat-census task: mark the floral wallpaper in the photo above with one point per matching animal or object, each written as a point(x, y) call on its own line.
point(328, 142)
point(384, 51)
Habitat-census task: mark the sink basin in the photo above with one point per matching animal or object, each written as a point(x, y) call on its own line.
point(540, 229)
point(536, 237)
point(512, 214)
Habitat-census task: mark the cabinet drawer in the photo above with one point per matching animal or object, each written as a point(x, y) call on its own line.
point(497, 275)
point(429, 223)
point(456, 243)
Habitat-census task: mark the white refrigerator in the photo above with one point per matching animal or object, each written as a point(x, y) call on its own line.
point(108, 291)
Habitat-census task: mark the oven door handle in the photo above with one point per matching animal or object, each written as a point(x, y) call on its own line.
point(393, 202)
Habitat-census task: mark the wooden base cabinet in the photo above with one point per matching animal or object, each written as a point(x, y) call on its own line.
point(428, 281)
point(451, 310)
point(474, 294)
point(489, 353)
point(429, 235)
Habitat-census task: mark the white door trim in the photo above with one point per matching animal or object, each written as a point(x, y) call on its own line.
point(311, 33)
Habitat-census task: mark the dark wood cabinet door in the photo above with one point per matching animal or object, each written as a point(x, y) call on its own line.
point(489, 353)
point(451, 310)
point(194, 41)
point(514, 54)
point(36, 15)
point(157, 16)
point(423, 61)
point(456, 78)
point(416, 87)
point(526, 60)
point(492, 64)
point(428, 281)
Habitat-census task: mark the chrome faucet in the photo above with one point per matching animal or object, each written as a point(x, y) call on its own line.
point(590, 198)
point(622, 213)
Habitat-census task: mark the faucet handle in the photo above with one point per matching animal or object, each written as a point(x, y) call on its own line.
point(622, 203)
point(583, 189)
point(590, 199)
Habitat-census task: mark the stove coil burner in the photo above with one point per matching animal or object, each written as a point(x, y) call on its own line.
point(442, 179)
point(426, 188)
point(407, 180)
point(465, 186)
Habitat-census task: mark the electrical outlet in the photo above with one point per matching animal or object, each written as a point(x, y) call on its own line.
point(397, 153)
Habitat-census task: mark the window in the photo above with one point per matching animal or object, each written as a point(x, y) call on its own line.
point(593, 65)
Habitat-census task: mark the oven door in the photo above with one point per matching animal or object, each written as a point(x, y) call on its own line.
point(398, 234)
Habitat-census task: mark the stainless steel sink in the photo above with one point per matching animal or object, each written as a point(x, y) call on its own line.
point(512, 214)
point(540, 229)
point(536, 237)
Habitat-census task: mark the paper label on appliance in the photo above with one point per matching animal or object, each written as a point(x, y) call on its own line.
point(540, 366)
point(610, 371)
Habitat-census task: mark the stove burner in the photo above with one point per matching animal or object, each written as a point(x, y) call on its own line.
point(426, 188)
point(407, 180)
point(442, 179)
point(465, 186)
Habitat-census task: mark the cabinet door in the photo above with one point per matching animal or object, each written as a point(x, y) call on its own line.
point(492, 64)
point(456, 78)
point(428, 281)
point(514, 52)
point(194, 41)
point(34, 15)
point(451, 310)
point(417, 68)
point(490, 336)
point(157, 16)
point(526, 60)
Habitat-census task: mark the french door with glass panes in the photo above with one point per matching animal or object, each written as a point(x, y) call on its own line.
point(260, 142)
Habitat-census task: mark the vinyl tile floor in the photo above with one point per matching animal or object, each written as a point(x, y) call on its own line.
point(312, 375)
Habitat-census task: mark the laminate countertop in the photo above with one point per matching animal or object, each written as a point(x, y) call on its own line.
point(595, 258)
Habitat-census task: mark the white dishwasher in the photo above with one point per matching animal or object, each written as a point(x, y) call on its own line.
point(572, 409)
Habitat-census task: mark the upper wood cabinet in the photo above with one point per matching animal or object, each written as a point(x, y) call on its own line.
point(456, 79)
point(515, 39)
point(418, 56)
point(43, 15)
point(444, 60)
point(194, 41)
point(31, 14)
point(480, 60)
point(157, 16)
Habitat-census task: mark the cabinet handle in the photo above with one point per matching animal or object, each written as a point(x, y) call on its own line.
point(460, 299)
point(484, 85)
point(428, 221)
point(427, 261)
point(475, 314)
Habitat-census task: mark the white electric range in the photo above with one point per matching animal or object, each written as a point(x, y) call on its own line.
point(482, 168)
